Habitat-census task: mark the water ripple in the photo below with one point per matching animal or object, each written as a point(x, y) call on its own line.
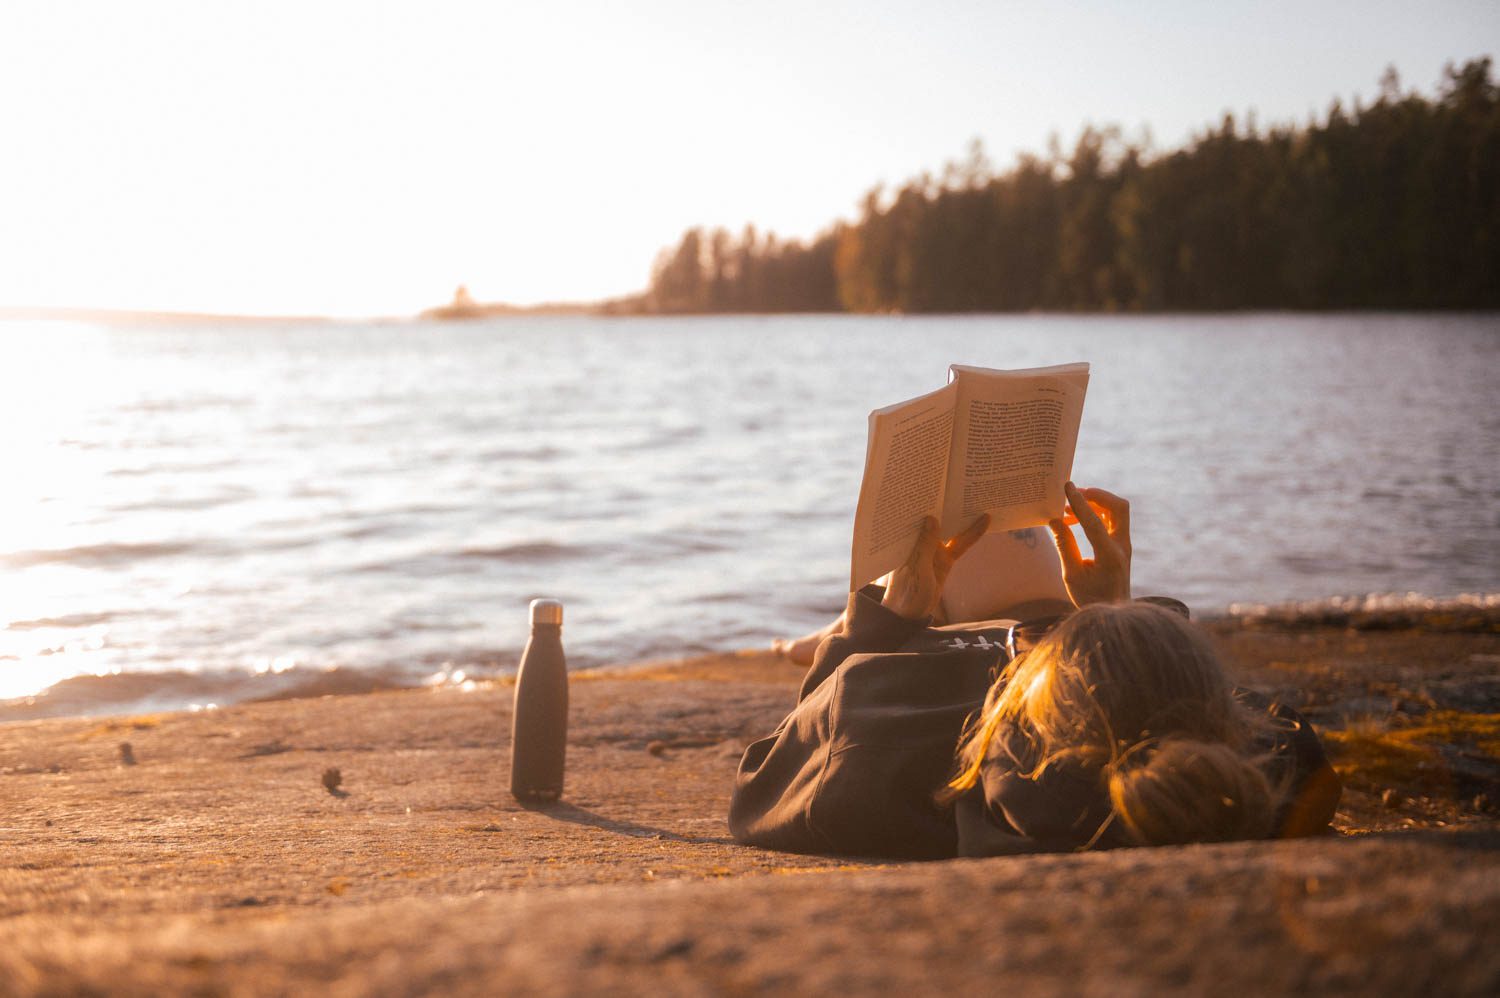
point(100, 555)
point(388, 497)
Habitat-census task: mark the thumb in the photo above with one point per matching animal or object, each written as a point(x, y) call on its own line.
point(967, 538)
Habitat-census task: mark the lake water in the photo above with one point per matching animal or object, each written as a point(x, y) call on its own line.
point(196, 515)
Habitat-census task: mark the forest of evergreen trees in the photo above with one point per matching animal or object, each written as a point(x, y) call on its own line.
point(1392, 205)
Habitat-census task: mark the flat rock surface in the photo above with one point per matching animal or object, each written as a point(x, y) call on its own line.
point(213, 856)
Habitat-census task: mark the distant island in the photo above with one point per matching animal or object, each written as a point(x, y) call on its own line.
point(1394, 205)
point(464, 306)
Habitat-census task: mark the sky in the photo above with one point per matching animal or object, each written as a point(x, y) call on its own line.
point(363, 158)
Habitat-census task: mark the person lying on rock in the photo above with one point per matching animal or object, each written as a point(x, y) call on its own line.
point(1112, 725)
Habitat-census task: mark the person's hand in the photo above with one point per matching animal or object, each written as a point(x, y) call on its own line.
point(1105, 518)
point(915, 587)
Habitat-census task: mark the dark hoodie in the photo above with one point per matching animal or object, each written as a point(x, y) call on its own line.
point(853, 768)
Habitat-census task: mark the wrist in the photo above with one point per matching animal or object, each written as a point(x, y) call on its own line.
point(905, 604)
point(1089, 599)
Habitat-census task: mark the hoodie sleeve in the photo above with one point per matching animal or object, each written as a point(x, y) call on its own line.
point(869, 626)
point(836, 771)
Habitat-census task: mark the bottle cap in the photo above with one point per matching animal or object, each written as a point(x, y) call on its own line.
point(546, 611)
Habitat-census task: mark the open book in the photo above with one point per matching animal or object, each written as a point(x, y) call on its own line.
point(997, 442)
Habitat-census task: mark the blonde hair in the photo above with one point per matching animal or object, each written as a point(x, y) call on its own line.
point(1136, 694)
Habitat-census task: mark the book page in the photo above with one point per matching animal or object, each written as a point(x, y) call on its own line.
point(1014, 436)
point(906, 465)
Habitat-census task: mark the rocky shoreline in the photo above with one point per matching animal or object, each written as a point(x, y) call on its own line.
point(212, 855)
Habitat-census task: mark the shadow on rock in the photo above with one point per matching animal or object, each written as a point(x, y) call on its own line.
point(572, 813)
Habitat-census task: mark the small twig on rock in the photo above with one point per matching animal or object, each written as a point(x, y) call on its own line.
point(273, 747)
point(659, 746)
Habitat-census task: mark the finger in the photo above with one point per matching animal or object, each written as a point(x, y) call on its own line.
point(1093, 527)
point(1117, 507)
point(929, 528)
point(1071, 520)
point(927, 540)
point(1067, 545)
point(966, 539)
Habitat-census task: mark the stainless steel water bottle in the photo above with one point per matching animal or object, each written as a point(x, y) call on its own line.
point(539, 723)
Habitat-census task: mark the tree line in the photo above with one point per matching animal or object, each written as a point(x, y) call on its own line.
point(1391, 205)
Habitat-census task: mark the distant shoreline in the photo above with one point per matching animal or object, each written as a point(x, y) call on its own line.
point(158, 317)
point(462, 308)
point(615, 309)
point(133, 317)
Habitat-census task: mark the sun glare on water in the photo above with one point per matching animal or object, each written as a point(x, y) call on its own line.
point(54, 377)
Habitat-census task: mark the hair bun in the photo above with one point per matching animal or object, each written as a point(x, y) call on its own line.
point(1178, 790)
